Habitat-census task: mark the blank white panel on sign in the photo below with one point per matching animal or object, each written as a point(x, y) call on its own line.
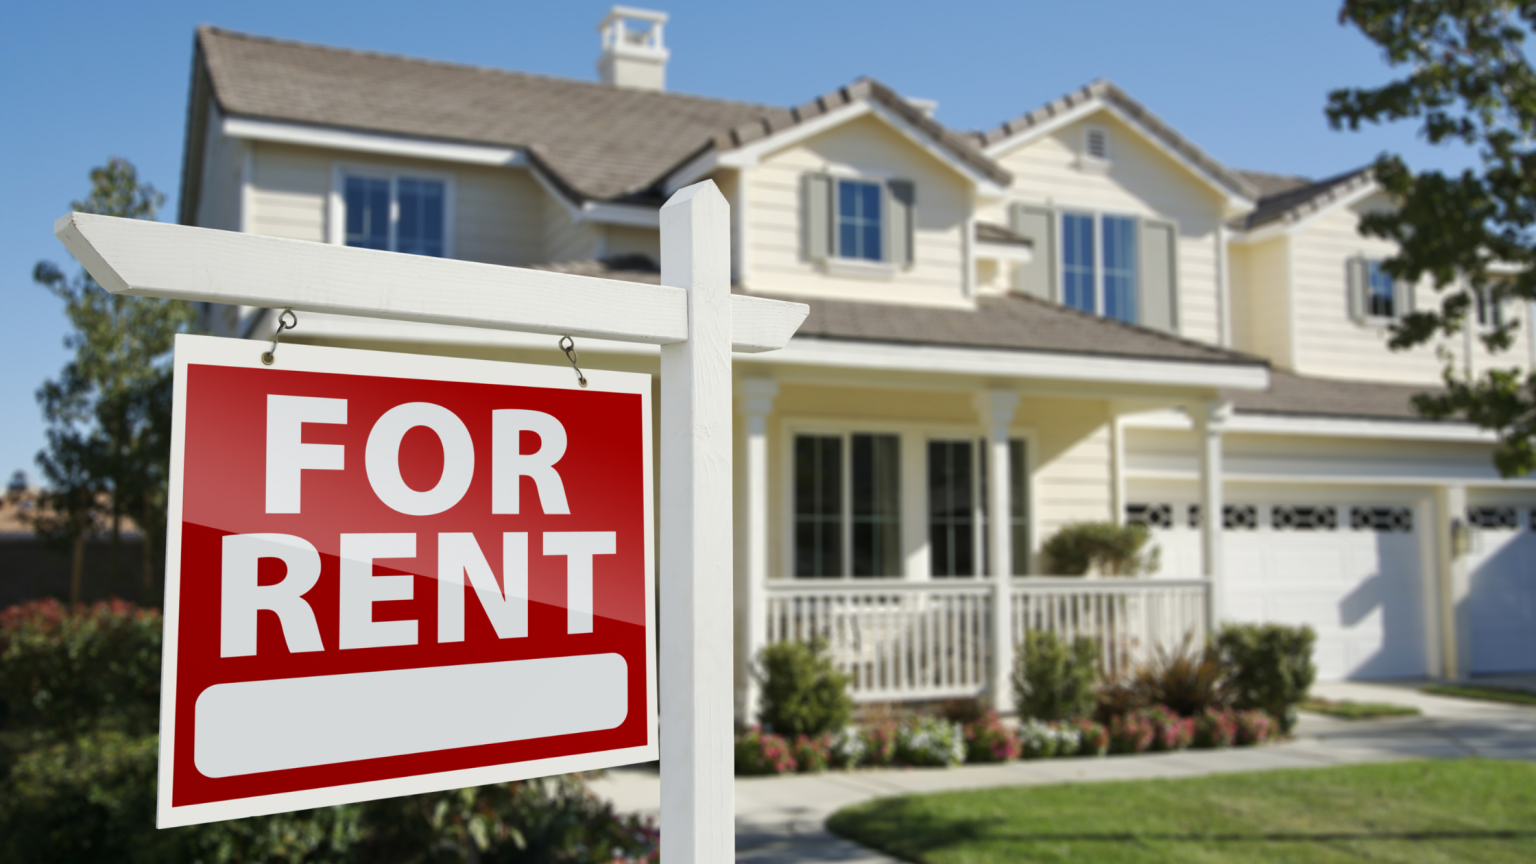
point(254, 726)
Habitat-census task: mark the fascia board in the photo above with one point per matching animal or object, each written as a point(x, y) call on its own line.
point(1325, 427)
point(1040, 130)
point(252, 129)
point(620, 214)
point(692, 171)
point(898, 357)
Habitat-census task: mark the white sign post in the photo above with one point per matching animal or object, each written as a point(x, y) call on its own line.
point(693, 317)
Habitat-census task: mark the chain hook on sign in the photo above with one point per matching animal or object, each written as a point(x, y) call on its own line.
point(286, 320)
point(568, 345)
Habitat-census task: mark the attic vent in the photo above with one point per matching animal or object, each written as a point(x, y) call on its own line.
point(1097, 144)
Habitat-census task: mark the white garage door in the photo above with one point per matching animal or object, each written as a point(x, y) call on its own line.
point(1352, 572)
point(1501, 595)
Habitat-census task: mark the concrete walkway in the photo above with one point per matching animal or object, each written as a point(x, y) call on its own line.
point(782, 819)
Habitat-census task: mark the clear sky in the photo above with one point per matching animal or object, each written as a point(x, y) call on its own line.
point(83, 81)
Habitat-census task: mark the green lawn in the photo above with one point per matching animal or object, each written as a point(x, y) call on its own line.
point(1490, 694)
point(1433, 811)
point(1348, 709)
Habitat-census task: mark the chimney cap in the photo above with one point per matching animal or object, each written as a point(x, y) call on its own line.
point(632, 12)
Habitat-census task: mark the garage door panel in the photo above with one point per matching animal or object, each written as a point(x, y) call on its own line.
point(1501, 600)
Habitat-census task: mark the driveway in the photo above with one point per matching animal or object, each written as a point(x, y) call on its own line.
point(782, 819)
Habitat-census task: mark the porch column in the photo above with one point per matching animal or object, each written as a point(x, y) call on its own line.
point(757, 395)
point(997, 408)
point(1210, 418)
point(1452, 539)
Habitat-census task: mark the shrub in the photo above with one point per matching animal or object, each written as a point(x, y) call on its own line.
point(849, 748)
point(1169, 730)
point(1068, 739)
point(880, 743)
point(1131, 733)
point(1037, 740)
point(759, 752)
point(1093, 737)
point(1215, 729)
point(988, 740)
point(812, 755)
point(1254, 727)
point(1116, 550)
point(803, 693)
point(1123, 696)
point(1054, 681)
point(66, 670)
point(1272, 666)
point(1188, 679)
point(929, 741)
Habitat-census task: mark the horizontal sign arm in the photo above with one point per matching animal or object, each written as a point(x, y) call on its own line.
point(153, 259)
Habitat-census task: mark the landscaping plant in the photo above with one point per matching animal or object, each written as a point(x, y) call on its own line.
point(880, 743)
point(849, 748)
point(1215, 729)
point(1254, 727)
point(1037, 740)
point(812, 754)
point(1115, 550)
point(988, 740)
point(1092, 737)
point(929, 741)
point(1068, 739)
point(1272, 667)
point(1169, 730)
point(803, 693)
point(1131, 733)
point(759, 752)
point(1189, 679)
point(1054, 680)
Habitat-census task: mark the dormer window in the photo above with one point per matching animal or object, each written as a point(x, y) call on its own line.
point(1374, 296)
point(1096, 144)
point(859, 223)
point(1381, 293)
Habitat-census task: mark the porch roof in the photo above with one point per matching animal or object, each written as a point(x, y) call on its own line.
point(1301, 395)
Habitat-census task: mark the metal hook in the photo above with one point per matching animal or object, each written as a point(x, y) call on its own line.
point(270, 354)
point(568, 345)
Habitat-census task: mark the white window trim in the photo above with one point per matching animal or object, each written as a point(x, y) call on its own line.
point(335, 221)
point(1062, 211)
point(1370, 319)
point(864, 267)
point(916, 549)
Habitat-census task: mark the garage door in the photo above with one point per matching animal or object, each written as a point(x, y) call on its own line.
point(1353, 572)
point(1501, 594)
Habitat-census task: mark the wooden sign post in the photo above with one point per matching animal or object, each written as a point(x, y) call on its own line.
point(693, 317)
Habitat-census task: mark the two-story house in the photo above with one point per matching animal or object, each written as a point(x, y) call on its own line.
point(1078, 315)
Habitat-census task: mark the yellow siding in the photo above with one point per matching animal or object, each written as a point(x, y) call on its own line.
point(497, 211)
point(1072, 481)
point(1139, 181)
point(624, 240)
point(1261, 307)
point(1330, 344)
point(564, 239)
point(865, 147)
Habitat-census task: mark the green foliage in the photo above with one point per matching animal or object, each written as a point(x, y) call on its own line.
point(1466, 80)
point(930, 742)
point(803, 693)
point(1348, 709)
point(1116, 550)
point(63, 671)
point(1482, 691)
point(109, 411)
point(1272, 667)
point(1189, 679)
point(1055, 681)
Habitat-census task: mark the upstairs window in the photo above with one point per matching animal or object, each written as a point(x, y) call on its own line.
point(1079, 262)
point(859, 226)
point(1099, 265)
point(1120, 268)
point(1380, 293)
point(1374, 296)
point(395, 213)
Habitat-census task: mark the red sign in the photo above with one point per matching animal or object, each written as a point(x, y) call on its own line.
point(389, 574)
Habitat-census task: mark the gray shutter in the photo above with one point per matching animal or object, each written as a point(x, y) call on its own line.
point(1402, 299)
point(1158, 276)
point(901, 198)
point(816, 210)
point(1357, 277)
point(1038, 277)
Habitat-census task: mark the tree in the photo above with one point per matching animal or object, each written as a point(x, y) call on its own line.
point(1473, 233)
point(109, 411)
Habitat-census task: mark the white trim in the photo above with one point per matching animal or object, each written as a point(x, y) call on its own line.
point(942, 359)
point(1003, 252)
point(1096, 103)
point(1328, 427)
point(1366, 480)
point(252, 129)
point(749, 155)
point(240, 353)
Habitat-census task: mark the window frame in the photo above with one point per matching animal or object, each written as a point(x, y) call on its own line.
point(882, 222)
point(336, 205)
point(917, 564)
point(1372, 270)
point(1100, 261)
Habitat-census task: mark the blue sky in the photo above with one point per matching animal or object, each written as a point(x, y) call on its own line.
point(83, 81)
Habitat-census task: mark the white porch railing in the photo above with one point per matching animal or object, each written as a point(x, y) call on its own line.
point(933, 640)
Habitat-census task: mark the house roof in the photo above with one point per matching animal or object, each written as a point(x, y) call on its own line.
point(1295, 198)
point(596, 140)
point(1014, 322)
point(1109, 94)
point(1299, 395)
point(991, 232)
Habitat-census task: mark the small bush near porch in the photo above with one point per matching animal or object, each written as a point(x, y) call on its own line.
point(1468, 810)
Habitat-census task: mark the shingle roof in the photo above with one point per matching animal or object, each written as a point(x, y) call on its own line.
point(1301, 200)
point(599, 141)
point(1112, 95)
point(1294, 394)
point(1013, 322)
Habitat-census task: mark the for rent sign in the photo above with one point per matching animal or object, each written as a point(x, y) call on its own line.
point(390, 574)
